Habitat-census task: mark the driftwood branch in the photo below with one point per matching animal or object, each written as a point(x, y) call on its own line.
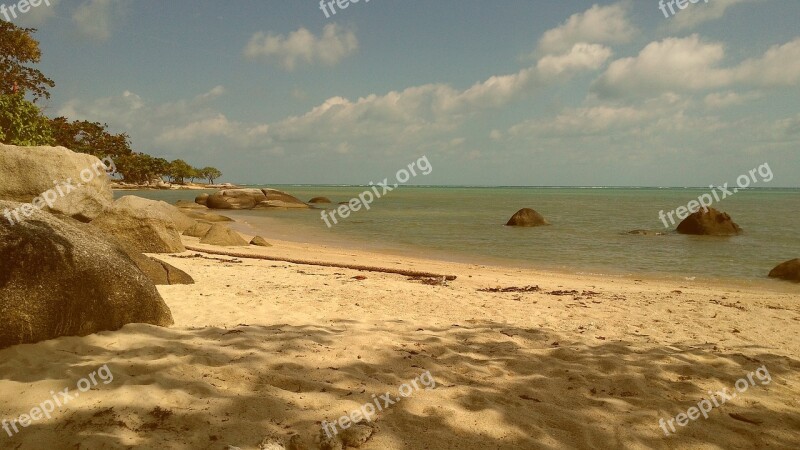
point(409, 273)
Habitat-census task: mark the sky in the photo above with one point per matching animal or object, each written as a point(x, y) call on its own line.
point(518, 92)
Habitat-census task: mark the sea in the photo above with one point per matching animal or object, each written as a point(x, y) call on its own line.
point(588, 232)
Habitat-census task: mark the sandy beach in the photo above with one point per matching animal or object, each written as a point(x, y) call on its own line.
point(268, 349)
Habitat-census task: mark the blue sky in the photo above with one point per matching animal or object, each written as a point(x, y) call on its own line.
point(506, 93)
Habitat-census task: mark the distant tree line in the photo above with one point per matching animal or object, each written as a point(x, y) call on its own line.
point(23, 123)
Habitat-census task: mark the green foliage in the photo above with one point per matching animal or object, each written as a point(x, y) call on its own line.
point(22, 123)
point(17, 48)
point(140, 167)
point(179, 170)
point(90, 137)
point(210, 173)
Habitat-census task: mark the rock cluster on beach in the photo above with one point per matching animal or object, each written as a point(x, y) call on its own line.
point(59, 280)
point(77, 267)
point(249, 199)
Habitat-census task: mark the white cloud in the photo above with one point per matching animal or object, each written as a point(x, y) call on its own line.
point(699, 13)
point(779, 66)
point(94, 18)
point(598, 24)
point(689, 65)
point(720, 100)
point(302, 46)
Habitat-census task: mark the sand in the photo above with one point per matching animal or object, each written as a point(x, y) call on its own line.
point(268, 349)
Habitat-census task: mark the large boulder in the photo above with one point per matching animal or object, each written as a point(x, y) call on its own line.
point(65, 182)
point(260, 242)
point(159, 272)
point(789, 270)
point(201, 199)
point(281, 199)
point(223, 236)
point(186, 204)
point(320, 200)
point(710, 223)
point(526, 217)
point(250, 198)
point(199, 230)
point(235, 199)
point(60, 280)
point(145, 226)
point(206, 216)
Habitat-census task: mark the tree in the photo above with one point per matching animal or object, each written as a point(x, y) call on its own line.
point(90, 137)
point(22, 122)
point(210, 173)
point(179, 170)
point(17, 48)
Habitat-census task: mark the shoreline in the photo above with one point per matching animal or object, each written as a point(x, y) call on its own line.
point(344, 245)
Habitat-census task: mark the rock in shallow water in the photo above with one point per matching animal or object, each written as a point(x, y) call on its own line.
point(526, 217)
point(789, 270)
point(709, 223)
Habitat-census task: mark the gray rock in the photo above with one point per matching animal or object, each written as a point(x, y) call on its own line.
point(199, 230)
point(260, 241)
point(143, 225)
point(251, 198)
point(223, 236)
point(59, 280)
point(28, 172)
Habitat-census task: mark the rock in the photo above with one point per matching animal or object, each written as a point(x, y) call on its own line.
point(356, 435)
point(143, 225)
point(260, 241)
point(29, 172)
point(223, 236)
point(199, 230)
point(646, 233)
point(201, 199)
point(296, 443)
point(251, 198)
point(185, 204)
point(280, 204)
point(789, 270)
point(330, 443)
point(526, 217)
point(709, 223)
point(59, 280)
point(206, 216)
point(269, 443)
point(235, 199)
point(320, 200)
point(159, 272)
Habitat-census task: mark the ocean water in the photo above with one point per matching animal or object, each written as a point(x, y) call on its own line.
point(587, 235)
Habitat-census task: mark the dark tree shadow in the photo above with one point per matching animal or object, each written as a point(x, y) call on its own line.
point(498, 387)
